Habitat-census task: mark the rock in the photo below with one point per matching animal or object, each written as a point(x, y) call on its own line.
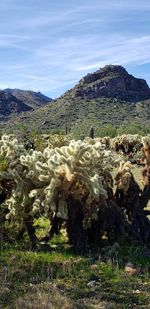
point(112, 81)
point(92, 284)
point(130, 269)
point(5, 290)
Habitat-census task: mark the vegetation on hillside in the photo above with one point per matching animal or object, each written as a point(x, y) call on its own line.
point(73, 113)
point(110, 96)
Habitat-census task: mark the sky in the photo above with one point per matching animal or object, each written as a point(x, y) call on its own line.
point(49, 45)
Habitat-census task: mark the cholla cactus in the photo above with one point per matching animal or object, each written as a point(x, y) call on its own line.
point(123, 176)
point(76, 170)
point(10, 147)
point(146, 150)
point(125, 140)
point(41, 141)
point(64, 171)
point(105, 141)
point(58, 140)
point(12, 169)
point(45, 180)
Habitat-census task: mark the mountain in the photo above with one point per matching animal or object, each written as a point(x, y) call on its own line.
point(30, 98)
point(113, 81)
point(9, 104)
point(108, 96)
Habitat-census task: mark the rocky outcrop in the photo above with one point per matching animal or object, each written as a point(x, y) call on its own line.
point(112, 81)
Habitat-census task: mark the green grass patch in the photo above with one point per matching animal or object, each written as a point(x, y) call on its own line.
point(99, 278)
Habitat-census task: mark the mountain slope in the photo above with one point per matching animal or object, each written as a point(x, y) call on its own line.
point(108, 96)
point(30, 98)
point(9, 104)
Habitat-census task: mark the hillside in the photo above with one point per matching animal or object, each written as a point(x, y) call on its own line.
point(108, 96)
point(9, 104)
point(30, 98)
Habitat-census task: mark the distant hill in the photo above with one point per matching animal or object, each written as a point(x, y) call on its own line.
point(108, 96)
point(31, 98)
point(9, 104)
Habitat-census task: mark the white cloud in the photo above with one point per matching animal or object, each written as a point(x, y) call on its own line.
point(66, 61)
point(50, 45)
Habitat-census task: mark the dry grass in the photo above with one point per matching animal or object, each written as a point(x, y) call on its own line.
point(43, 296)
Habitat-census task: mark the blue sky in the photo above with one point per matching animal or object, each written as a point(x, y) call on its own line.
point(49, 45)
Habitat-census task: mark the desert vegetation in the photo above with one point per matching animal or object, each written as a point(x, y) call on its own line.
point(75, 226)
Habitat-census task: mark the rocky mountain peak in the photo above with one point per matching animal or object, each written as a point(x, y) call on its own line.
point(107, 71)
point(112, 81)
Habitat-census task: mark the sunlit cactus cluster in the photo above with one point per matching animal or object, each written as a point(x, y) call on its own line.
point(70, 182)
point(43, 180)
point(126, 139)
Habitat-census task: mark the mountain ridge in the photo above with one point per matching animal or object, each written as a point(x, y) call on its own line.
point(10, 104)
point(109, 96)
point(29, 97)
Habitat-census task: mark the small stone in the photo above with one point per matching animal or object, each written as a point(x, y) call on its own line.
point(91, 284)
point(5, 290)
point(130, 269)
